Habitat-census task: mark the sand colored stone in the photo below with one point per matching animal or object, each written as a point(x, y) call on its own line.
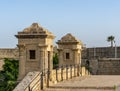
point(89, 83)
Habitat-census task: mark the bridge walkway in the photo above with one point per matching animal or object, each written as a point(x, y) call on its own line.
point(88, 83)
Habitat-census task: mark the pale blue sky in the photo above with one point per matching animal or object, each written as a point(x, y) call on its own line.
point(91, 21)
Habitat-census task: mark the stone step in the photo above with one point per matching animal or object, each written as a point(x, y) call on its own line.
point(67, 88)
point(79, 89)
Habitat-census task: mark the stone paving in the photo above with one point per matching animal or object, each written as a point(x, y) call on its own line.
point(89, 83)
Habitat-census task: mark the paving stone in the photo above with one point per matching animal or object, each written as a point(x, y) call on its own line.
point(90, 83)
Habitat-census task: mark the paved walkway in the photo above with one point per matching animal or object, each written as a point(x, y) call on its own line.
point(89, 83)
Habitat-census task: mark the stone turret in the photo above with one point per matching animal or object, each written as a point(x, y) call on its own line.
point(69, 50)
point(35, 49)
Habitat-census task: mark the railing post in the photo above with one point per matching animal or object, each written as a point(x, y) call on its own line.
point(62, 73)
point(71, 71)
point(42, 81)
point(48, 77)
point(81, 70)
point(78, 70)
point(56, 74)
point(66, 72)
point(29, 88)
point(74, 70)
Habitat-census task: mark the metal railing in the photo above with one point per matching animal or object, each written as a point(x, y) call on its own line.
point(65, 72)
point(29, 87)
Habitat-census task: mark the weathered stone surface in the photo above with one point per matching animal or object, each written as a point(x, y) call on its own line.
point(109, 66)
point(101, 52)
point(28, 80)
point(88, 83)
point(69, 50)
point(40, 41)
point(8, 53)
point(69, 38)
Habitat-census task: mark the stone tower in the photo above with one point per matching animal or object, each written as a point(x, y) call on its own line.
point(69, 50)
point(35, 49)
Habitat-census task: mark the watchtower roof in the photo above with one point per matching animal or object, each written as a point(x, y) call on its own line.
point(35, 30)
point(69, 38)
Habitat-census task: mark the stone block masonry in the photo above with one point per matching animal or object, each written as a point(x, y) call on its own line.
point(11, 53)
point(109, 66)
point(35, 81)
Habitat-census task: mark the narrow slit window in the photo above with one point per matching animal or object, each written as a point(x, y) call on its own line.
point(67, 55)
point(32, 54)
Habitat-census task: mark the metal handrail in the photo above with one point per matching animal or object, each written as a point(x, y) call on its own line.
point(46, 71)
point(35, 84)
point(32, 81)
point(43, 72)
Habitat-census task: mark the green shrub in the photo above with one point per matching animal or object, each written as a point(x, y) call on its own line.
point(9, 75)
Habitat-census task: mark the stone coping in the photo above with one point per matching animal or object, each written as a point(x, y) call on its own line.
point(26, 81)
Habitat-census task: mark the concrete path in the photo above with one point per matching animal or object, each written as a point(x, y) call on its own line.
point(89, 83)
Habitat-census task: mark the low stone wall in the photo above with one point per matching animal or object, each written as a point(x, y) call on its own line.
point(61, 74)
point(109, 66)
point(35, 81)
point(30, 81)
point(100, 52)
point(8, 53)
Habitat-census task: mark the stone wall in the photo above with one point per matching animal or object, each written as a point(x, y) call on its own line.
point(104, 66)
point(32, 81)
point(8, 53)
point(102, 60)
point(93, 66)
point(100, 52)
point(109, 66)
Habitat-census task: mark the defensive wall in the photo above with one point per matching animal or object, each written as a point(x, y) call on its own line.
point(102, 60)
point(101, 65)
point(8, 53)
point(109, 66)
point(101, 52)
